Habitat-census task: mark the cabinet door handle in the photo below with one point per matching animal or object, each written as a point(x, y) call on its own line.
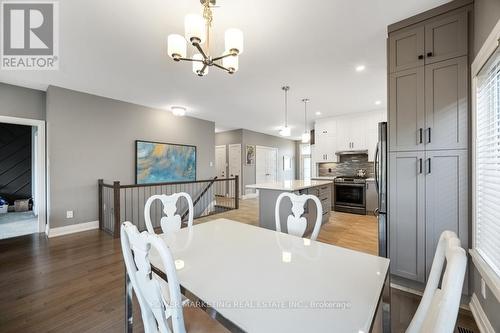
point(430, 54)
point(429, 166)
point(429, 135)
point(420, 165)
point(420, 57)
point(420, 134)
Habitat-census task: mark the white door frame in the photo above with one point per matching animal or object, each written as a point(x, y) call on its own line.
point(239, 164)
point(220, 187)
point(41, 169)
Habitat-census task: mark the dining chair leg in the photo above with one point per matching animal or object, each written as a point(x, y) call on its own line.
point(129, 319)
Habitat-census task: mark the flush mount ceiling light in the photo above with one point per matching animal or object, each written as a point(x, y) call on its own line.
point(378, 102)
point(306, 136)
point(360, 68)
point(285, 131)
point(197, 32)
point(178, 111)
point(318, 113)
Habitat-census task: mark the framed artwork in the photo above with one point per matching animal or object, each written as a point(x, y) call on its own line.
point(250, 154)
point(157, 162)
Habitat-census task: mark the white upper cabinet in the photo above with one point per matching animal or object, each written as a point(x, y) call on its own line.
point(347, 132)
point(325, 140)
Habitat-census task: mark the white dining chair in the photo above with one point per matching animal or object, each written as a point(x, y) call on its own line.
point(171, 221)
point(157, 305)
point(438, 309)
point(296, 223)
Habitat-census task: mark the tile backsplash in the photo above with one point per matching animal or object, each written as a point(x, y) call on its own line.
point(347, 166)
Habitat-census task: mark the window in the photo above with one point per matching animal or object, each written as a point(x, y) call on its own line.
point(305, 161)
point(486, 167)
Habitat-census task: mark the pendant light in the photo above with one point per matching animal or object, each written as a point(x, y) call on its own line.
point(306, 136)
point(285, 131)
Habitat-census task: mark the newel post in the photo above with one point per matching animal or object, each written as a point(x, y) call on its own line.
point(116, 209)
point(100, 183)
point(236, 192)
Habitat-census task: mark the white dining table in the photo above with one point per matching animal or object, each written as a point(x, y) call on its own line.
point(257, 280)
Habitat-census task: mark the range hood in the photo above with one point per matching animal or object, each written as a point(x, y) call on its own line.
point(352, 152)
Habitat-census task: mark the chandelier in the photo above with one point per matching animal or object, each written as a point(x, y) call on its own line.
point(197, 32)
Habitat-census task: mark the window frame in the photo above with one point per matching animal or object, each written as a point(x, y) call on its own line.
point(489, 47)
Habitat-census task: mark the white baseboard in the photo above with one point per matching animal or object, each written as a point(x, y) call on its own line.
point(482, 320)
point(463, 303)
point(71, 229)
point(249, 196)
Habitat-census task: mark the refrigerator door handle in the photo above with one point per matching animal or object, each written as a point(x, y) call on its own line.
point(377, 167)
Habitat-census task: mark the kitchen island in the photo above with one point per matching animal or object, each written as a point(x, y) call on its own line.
point(269, 192)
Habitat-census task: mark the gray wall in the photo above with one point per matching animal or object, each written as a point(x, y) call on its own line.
point(91, 137)
point(21, 102)
point(229, 137)
point(486, 15)
point(247, 137)
point(285, 147)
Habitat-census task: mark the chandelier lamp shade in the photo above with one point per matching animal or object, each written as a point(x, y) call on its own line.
point(306, 136)
point(197, 33)
point(285, 131)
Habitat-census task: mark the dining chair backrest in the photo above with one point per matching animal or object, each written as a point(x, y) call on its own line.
point(155, 309)
point(296, 223)
point(171, 221)
point(438, 309)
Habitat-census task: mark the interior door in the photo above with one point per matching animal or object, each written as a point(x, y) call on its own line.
point(407, 110)
point(446, 104)
point(260, 165)
point(406, 49)
point(220, 167)
point(272, 166)
point(266, 164)
point(446, 38)
point(235, 164)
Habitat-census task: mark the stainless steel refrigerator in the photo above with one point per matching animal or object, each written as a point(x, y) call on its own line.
point(381, 185)
point(381, 162)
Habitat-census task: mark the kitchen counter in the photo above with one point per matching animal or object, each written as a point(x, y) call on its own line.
point(269, 192)
point(290, 185)
point(324, 178)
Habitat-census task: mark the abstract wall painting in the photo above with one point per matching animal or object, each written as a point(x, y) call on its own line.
point(158, 162)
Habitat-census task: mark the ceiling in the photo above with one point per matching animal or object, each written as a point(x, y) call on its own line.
point(117, 49)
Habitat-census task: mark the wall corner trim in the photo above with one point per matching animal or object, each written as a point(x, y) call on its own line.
point(482, 320)
point(71, 229)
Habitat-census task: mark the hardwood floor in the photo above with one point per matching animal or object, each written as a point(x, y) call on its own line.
point(74, 283)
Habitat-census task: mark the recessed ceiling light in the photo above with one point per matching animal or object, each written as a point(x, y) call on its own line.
point(318, 113)
point(360, 68)
point(378, 102)
point(178, 111)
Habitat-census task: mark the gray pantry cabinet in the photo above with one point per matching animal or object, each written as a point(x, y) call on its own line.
point(428, 114)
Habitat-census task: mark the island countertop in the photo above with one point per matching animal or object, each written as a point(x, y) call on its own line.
point(290, 185)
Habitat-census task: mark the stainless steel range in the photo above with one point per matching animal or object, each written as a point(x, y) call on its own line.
point(350, 194)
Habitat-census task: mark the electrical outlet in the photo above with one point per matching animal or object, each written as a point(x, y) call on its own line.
point(483, 288)
point(211, 163)
point(69, 214)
